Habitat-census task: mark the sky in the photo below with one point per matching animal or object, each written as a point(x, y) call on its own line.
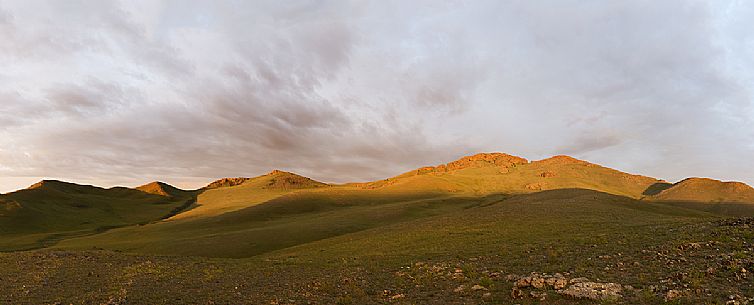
point(127, 92)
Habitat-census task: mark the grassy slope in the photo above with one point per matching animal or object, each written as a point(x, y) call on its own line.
point(584, 233)
point(258, 216)
point(706, 190)
point(215, 201)
point(53, 210)
point(549, 174)
point(297, 217)
point(568, 216)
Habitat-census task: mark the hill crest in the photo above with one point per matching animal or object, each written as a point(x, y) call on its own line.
point(53, 184)
point(160, 188)
point(276, 179)
point(495, 159)
point(708, 190)
point(286, 180)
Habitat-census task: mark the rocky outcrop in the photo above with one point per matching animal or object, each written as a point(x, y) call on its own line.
point(226, 182)
point(500, 160)
point(577, 288)
point(476, 161)
point(483, 160)
point(593, 290)
point(285, 180)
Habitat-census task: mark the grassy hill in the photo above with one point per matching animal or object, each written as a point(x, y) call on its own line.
point(53, 210)
point(163, 189)
point(457, 233)
point(435, 259)
point(250, 216)
point(706, 190)
point(231, 194)
point(490, 173)
point(283, 220)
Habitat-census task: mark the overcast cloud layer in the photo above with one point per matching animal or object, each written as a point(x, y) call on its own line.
point(122, 93)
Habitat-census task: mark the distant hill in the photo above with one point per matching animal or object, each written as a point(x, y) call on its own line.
point(162, 189)
point(502, 173)
point(51, 210)
point(226, 182)
point(238, 217)
point(275, 179)
point(230, 194)
point(706, 190)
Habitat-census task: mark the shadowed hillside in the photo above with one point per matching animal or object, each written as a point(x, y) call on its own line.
point(51, 210)
point(230, 194)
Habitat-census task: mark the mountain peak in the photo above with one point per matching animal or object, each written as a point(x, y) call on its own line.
point(495, 159)
point(277, 172)
point(286, 180)
point(276, 179)
point(227, 182)
point(159, 188)
point(49, 183)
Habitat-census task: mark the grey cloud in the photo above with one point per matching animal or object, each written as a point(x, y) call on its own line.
point(124, 92)
point(589, 143)
point(91, 98)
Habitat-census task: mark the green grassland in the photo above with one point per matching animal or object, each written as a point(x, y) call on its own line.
point(422, 261)
point(53, 210)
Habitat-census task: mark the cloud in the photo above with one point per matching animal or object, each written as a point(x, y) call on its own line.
point(127, 92)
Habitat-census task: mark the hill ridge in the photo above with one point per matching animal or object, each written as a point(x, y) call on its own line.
point(56, 183)
point(159, 188)
point(706, 190)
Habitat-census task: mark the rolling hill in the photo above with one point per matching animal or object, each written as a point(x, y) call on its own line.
point(163, 189)
point(489, 173)
point(464, 232)
point(706, 190)
point(51, 210)
point(242, 217)
point(230, 194)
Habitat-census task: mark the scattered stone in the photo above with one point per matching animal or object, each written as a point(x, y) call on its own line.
point(478, 287)
point(593, 291)
point(523, 282)
point(538, 282)
point(578, 280)
point(672, 295)
point(539, 295)
point(517, 293)
point(460, 289)
point(487, 295)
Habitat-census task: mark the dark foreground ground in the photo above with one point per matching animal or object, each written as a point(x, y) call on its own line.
point(688, 262)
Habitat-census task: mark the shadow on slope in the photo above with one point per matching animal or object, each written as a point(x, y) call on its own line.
point(301, 218)
point(290, 220)
point(573, 217)
point(52, 210)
